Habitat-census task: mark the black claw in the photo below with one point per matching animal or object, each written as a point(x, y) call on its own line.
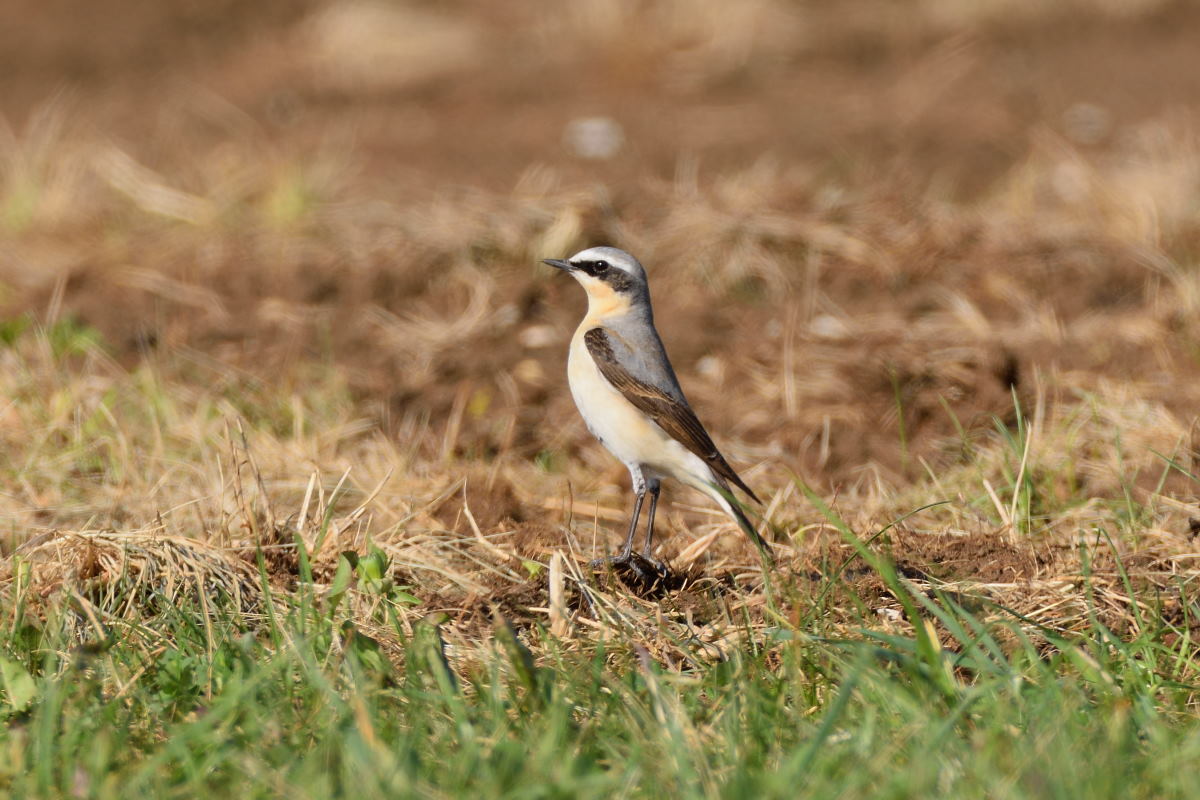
point(645, 572)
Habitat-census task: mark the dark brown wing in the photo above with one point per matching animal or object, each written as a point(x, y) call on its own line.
point(672, 416)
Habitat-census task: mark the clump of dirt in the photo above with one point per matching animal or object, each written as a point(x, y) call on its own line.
point(991, 557)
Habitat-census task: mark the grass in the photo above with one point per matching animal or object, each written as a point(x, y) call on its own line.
point(337, 668)
point(293, 604)
point(301, 704)
point(294, 501)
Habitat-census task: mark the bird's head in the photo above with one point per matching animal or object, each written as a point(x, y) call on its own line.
point(613, 279)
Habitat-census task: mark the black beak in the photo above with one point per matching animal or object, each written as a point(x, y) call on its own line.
point(559, 263)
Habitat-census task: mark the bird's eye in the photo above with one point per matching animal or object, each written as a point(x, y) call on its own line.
point(601, 266)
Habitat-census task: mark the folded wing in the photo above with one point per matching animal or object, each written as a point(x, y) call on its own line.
point(671, 414)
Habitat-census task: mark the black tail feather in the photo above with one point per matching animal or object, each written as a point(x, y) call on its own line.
point(746, 525)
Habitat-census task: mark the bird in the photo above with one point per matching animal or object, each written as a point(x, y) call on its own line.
point(630, 399)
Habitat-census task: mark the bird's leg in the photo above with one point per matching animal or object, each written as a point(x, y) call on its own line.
point(655, 487)
point(641, 567)
point(627, 548)
point(626, 554)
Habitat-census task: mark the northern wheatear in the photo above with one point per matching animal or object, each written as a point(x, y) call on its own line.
point(629, 396)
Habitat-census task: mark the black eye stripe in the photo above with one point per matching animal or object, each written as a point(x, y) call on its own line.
point(593, 268)
point(618, 279)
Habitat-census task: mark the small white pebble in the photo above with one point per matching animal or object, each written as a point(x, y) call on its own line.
point(710, 367)
point(828, 327)
point(594, 137)
point(538, 336)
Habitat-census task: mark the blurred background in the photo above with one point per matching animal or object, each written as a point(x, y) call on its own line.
point(869, 224)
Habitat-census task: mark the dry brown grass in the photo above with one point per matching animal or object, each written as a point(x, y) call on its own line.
point(853, 291)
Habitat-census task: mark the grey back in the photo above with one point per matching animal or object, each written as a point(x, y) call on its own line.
point(639, 350)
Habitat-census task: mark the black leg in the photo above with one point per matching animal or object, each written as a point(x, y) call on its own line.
point(655, 488)
point(627, 548)
point(641, 569)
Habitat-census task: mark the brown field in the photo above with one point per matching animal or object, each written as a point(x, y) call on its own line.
point(272, 269)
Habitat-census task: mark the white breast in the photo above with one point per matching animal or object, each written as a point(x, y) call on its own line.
point(627, 433)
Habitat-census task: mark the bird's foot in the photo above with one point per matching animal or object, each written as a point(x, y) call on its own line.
point(645, 572)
